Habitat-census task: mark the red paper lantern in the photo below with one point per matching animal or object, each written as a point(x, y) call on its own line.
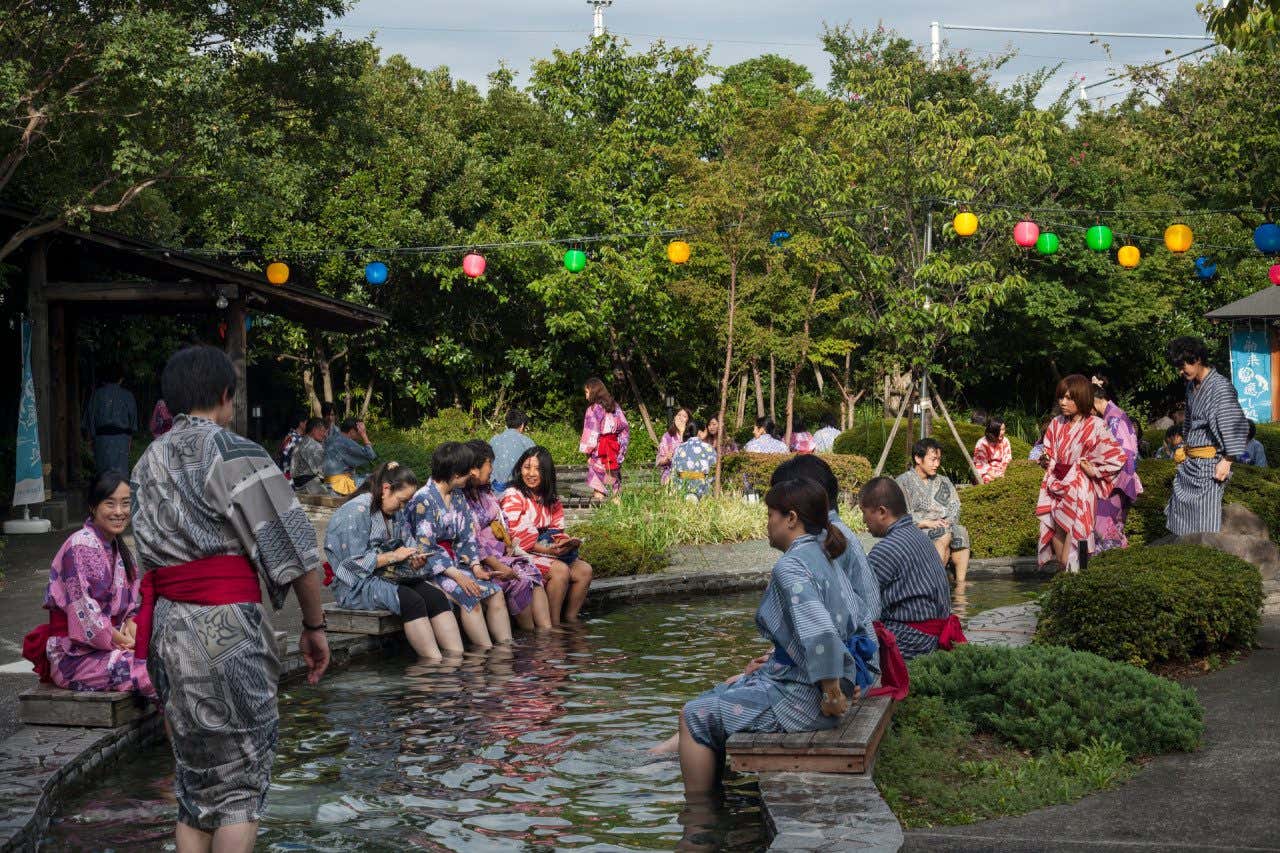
point(473, 265)
point(1274, 273)
point(1025, 233)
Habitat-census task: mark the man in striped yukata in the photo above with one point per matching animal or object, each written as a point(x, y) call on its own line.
point(1215, 434)
point(915, 598)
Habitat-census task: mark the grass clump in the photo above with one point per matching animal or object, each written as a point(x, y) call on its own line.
point(660, 520)
point(742, 471)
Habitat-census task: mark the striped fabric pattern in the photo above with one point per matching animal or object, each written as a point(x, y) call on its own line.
point(913, 585)
point(1069, 497)
point(1214, 417)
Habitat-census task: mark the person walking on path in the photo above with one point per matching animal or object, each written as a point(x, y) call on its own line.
point(605, 436)
point(214, 518)
point(111, 420)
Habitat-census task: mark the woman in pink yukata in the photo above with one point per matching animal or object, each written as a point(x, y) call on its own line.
point(605, 436)
point(93, 595)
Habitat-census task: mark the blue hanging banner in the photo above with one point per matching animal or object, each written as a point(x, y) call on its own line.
point(29, 474)
point(1251, 372)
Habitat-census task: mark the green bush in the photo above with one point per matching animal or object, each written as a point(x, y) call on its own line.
point(612, 553)
point(1153, 604)
point(1256, 488)
point(661, 520)
point(1001, 515)
point(1049, 697)
point(1154, 437)
point(756, 469)
point(867, 439)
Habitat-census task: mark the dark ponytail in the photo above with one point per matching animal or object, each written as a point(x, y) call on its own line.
point(809, 502)
point(391, 474)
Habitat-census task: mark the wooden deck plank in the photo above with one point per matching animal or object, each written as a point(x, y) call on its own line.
point(373, 622)
point(47, 705)
point(848, 747)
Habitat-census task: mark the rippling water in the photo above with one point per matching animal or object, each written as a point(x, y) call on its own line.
point(536, 747)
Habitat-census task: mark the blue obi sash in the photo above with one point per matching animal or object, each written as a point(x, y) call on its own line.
point(862, 647)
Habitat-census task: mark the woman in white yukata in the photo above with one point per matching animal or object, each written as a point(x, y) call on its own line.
point(811, 614)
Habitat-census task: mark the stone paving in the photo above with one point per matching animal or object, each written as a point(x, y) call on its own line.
point(826, 811)
point(1013, 625)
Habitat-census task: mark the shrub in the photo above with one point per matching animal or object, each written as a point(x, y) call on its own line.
point(661, 520)
point(1147, 605)
point(1001, 515)
point(756, 469)
point(612, 553)
point(1047, 697)
point(1256, 488)
point(867, 439)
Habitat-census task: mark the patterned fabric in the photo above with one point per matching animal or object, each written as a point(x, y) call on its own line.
point(1113, 510)
point(824, 440)
point(495, 540)
point(811, 615)
point(161, 419)
point(110, 408)
point(992, 459)
point(693, 464)
point(1068, 497)
point(202, 491)
point(287, 447)
point(306, 466)
point(88, 582)
point(527, 518)
point(913, 585)
point(443, 527)
point(1214, 417)
point(343, 455)
point(595, 423)
point(667, 446)
point(801, 442)
point(853, 563)
point(352, 542)
point(507, 446)
point(765, 444)
point(935, 499)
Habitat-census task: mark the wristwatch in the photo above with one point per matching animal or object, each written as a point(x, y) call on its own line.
point(323, 626)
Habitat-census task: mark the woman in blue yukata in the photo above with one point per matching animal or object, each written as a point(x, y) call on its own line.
point(374, 570)
point(818, 666)
point(693, 462)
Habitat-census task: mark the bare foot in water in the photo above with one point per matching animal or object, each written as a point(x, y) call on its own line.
point(667, 747)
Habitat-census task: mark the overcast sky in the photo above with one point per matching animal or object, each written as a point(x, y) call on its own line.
point(473, 37)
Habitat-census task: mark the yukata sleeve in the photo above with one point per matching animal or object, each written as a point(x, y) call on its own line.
point(346, 544)
point(982, 461)
point(466, 546)
point(590, 431)
point(813, 643)
point(1106, 455)
point(624, 435)
point(514, 507)
point(86, 623)
point(951, 500)
point(881, 567)
point(1228, 420)
point(557, 516)
point(422, 530)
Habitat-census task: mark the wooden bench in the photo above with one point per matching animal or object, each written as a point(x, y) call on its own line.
point(377, 623)
point(850, 747)
point(47, 705)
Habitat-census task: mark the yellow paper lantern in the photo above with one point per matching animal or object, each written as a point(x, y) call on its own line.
point(277, 273)
point(965, 223)
point(1177, 238)
point(678, 251)
point(1128, 256)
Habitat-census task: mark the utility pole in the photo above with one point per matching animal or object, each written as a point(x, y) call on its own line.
point(935, 43)
point(597, 16)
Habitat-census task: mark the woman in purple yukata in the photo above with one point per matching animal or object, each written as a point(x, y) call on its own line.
point(670, 442)
point(1113, 510)
point(605, 436)
point(93, 595)
point(508, 564)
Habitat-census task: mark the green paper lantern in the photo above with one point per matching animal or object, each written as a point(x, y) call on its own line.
point(1098, 238)
point(575, 260)
point(1048, 243)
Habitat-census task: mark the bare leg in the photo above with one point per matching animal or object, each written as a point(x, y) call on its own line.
point(192, 840)
point(236, 838)
point(540, 609)
point(473, 626)
point(557, 588)
point(960, 559)
point(942, 544)
point(422, 638)
point(579, 583)
point(449, 638)
point(524, 619)
point(668, 747)
point(1060, 547)
point(697, 764)
point(495, 613)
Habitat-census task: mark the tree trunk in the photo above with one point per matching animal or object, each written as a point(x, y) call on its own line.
point(773, 388)
point(728, 364)
point(326, 374)
point(309, 383)
point(502, 399)
point(368, 395)
point(742, 403)
point(755, 375)
point(792, 376)
point(346, 388)
point(817, 374)
point(653, 376)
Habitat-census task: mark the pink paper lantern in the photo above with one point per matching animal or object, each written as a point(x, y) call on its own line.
point(473, 265)
point(1274, 273)
point(1025, 233)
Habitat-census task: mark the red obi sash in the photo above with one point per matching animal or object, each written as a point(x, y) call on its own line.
point(35, 645)
point(948, 631)
point(447, 545)
point(608, 449)
point(895, 681)
point(224, 579)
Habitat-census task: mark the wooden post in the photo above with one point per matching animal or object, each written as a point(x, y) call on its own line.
point(893, 433)
point(955, 433)
point(237, 350)
point(38, 308)
point(74, 474)
point(58, 444)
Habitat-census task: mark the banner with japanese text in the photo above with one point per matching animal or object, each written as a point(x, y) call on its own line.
point(1251, 372)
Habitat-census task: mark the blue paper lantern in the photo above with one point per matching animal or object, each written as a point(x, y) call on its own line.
point(777, 237)
point(1206, 268)
point(375, 272)
point(1267, 238)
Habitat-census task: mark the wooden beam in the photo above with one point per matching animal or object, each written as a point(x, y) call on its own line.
point(237, 350)
point(38, 308)
point(58, 342)
point(137, 291)
point(74, 474)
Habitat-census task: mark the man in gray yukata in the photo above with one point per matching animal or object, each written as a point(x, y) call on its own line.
point(110, 420)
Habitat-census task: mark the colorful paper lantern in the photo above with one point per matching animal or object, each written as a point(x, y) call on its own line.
point(1098, 238)
point(575, 260)
point(1177, 238)
point(1274, 273)
point(1267, 238)
point(1206, 268)
point(1128, 256)
point(277, 273)
point(965, 223)
point(375, 272)
point(678, 251)
point(1026, 233)
point(1048, 243)
point(473, 265)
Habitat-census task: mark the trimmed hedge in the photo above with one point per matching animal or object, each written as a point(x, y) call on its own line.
point(612, 555)
point(1001, 515)
point(1148, 605)
point(756, 469)
point(1048, 697)
point(867, 439)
